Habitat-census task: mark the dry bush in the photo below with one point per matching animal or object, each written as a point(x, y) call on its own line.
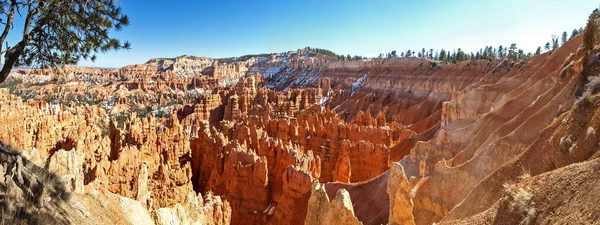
point(520, 201)
point(591, 88)
point(591, 131)
point(565, 144)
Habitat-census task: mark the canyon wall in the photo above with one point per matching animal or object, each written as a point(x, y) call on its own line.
point(144, 161)
point(499, 137)
point(303, 138)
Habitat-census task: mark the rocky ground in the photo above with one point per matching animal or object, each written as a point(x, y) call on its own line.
point(303, 138)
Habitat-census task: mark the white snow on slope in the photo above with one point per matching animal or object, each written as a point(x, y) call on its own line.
point(271, 71)
point(356, 84)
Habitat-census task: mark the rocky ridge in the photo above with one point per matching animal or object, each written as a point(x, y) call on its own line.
point(270, 140)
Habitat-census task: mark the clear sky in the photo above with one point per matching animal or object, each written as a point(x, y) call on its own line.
point(225, 28)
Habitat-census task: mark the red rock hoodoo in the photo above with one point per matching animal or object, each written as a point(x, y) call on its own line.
point(304, 138)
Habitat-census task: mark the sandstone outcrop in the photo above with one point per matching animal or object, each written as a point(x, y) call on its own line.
point(400, 192)
point(91, 155)
point(30, 194)
point(271, 139)
point(532, 201)
point(493, 135)
point(69, 166)
point(322, 211)
point(342, 170)
point(195, 210)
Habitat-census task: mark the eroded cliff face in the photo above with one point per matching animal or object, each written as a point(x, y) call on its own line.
point(338, 211)
point(252, 146)
point(499, 145)
point(144, 160)
point(499, 136)
point(264, 132)
point(270, 140)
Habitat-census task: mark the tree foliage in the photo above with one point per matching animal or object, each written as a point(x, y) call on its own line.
point(58, 32)
point(334, 55)
point(555, 44)
point(574, 34)
point(512, 53)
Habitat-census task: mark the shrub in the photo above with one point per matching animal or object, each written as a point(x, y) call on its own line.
point(12, 84)
point(565, 144)
point(593, 85)
point(585, 100)
point(591, 131)
point(520, 201)
point(573, 148)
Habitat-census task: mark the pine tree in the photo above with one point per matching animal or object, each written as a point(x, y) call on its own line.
point(574, 34)
point(521, 54)
point(453, 57)
point(423, 53)
point(501, 52)
point(538, 51)
point(54, 33)
point(484, 55)
point(555, 42)
point(512, 53)
point(443, 56)
point(564, 38)
point(491, 53)
point(547, 46)
point(495, 54)
point(460, 55)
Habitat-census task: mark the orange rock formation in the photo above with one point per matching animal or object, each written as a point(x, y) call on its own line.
point(270, 140)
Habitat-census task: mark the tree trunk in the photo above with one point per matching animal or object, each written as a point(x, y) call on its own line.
point(10, 58)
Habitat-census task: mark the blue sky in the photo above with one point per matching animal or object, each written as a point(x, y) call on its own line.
point(224, 28)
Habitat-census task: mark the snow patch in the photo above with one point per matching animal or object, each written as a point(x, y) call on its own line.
point(271, 71)
point(290, 70)
point(356, 84)
point(197, 91)
point(323, 100)
point(307, 54)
